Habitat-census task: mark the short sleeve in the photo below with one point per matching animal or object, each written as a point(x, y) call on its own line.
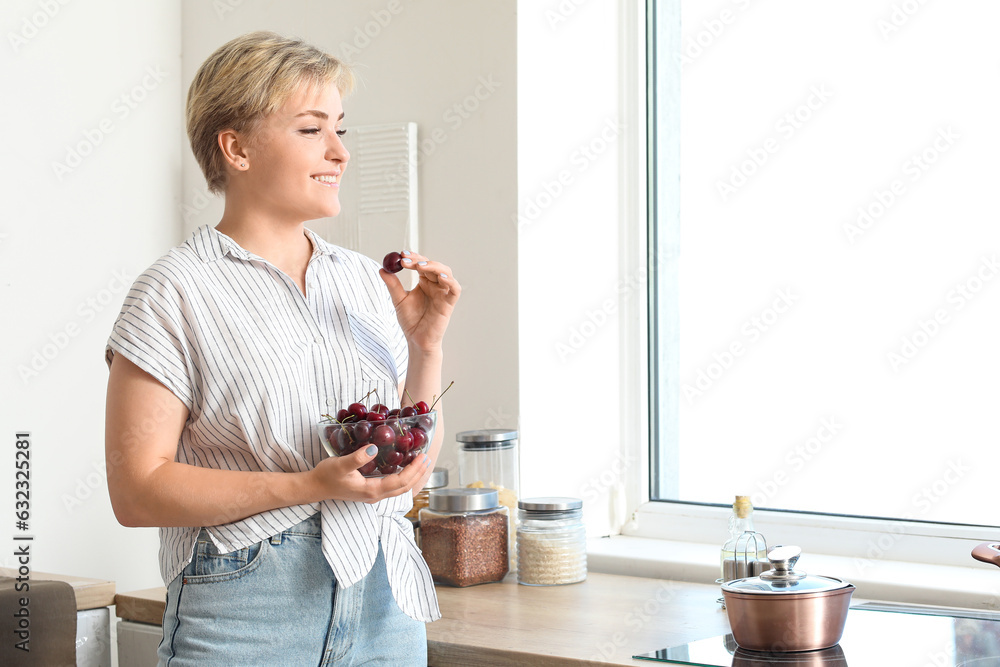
point(152, 332)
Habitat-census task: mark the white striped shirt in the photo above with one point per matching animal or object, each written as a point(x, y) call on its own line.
point(256, 362)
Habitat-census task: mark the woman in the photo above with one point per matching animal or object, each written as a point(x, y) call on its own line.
point(225, 354)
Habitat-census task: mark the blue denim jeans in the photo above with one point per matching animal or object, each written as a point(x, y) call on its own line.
point(277, 603)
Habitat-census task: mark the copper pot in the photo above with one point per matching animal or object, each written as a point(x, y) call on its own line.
point(785, 610)
point(988, 552)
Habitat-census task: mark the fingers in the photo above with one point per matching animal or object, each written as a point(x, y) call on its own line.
point(402, 482)
point(431, 273)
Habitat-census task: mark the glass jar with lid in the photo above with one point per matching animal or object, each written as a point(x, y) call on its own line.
point(551, 542)
point(437, 480)
point(487, 459)
point(463, 535)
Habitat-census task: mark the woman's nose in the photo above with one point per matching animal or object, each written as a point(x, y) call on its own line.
point(337, 150)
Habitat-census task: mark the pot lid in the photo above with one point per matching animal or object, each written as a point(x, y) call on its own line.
point(783, 579)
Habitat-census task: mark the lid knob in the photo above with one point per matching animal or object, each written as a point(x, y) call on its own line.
point(783, 560)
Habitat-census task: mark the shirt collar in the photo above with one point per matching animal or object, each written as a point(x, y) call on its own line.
point(211, 245)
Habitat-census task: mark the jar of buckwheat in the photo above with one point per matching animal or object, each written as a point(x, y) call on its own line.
point(463, 536)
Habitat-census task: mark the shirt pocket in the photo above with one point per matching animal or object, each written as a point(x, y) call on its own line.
point(373, 343)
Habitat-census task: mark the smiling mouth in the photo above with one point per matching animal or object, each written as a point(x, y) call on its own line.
point(328, 181)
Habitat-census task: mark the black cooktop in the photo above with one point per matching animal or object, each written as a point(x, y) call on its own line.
point(874, 636)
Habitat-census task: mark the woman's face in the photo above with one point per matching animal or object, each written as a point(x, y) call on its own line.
point(296, 157)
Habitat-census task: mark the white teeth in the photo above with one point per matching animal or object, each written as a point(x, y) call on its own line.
point(324, 179)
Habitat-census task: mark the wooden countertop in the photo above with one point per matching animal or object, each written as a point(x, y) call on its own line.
point(603, 620)
point(90, 593)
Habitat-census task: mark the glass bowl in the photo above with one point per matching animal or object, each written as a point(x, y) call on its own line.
point(400, 440)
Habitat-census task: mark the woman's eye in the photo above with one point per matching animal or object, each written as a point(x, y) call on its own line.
point(341, 133)
point(311, 130)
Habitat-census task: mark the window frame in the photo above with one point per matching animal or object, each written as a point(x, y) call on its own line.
point(657, 163)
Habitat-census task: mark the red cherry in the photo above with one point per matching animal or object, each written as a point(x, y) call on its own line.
point(425, 422)
point(375, 417)
point(382, 409)
point(342, 414)
point(393, 262)
point(393, 457)
point(419, 436)
point(368, 469)
point(362, 431)
point(344, 442)
point(410, 457)
point(387, 470)
point(358, 410)
point(422, 407)
point(393, 413)
point(383, 435)
point(408, 411)
point(404, 441)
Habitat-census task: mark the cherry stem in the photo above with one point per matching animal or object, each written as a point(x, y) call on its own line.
point(440, 397)
point(408, 397)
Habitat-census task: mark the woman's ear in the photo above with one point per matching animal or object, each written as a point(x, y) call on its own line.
point(231, 145)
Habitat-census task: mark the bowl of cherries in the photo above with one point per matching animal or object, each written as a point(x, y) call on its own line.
point(401, 434)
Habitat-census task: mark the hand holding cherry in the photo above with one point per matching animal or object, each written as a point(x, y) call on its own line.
point(424, 311)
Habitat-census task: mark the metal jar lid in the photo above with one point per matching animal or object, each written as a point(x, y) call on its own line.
point(550, 507)
point(782, 579)
point(487, 438)
point(438, 479)
point(463, 500)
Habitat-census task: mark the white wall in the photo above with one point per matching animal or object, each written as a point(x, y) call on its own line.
point(571, 282)
point(95, 87)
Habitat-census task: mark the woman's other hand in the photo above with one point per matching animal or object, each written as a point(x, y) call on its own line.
point(424, 311)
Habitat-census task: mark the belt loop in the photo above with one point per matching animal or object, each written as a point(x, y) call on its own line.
point(276, 539)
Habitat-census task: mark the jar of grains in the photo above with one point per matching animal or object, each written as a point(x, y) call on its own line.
point(487, 459)
point(463, 535)
point(551, 542)
point(437, 480)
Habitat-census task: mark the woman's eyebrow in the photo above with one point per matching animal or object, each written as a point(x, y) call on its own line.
point(319, 114)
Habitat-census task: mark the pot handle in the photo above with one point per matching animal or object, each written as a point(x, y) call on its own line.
point(988, 552)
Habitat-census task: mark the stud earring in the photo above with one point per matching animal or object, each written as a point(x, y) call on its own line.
point(243, 164)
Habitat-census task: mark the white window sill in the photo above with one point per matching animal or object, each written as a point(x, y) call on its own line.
point(976, 586)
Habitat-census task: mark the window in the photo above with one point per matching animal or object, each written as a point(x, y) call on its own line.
point(825, 308)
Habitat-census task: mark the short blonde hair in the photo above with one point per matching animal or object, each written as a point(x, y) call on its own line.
point(245, 80)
